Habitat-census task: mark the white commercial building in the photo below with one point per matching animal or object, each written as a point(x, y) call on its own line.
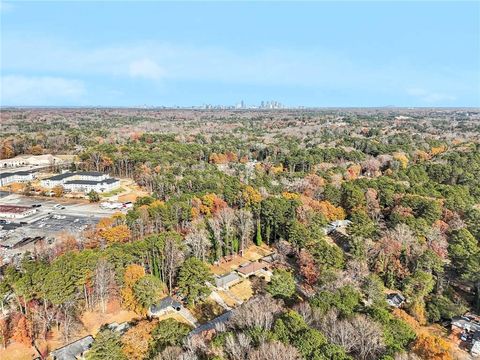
point(83, 181)
point(34, 160)
point(89, 185)
point(19, 176)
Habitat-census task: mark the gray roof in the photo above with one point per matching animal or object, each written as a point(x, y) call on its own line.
point(222, 319)
point(91, 182)
point(395, 299)
point(226, 279)
point(271, 258)
point(465, 322)
point(73, 350)
point(61, 176)
point(19, 173)
point(71, 174)
point(89, 173)
point(164, 304)
point(121, 328)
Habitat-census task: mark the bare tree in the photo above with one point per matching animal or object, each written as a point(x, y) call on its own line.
point(339, 332)
point(96, 159)
point(306, 312)
point(259, 311)
point(245, 227)
point(368, 338)
point(227, 221)
point(403, 235)
point(68, 319)
point(170, 353)
point(198, 243)
point(373, 205)
point(104, 279)
point(237, 346)
point(274, 350)
point(216, 228)
point(371, 166)
point(407, 356)
point(173, 258)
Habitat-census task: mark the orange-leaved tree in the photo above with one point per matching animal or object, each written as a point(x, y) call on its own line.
point(132, 274)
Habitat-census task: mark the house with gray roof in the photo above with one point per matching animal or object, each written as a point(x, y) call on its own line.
point(165, 305)
point(395, 299)
point(74, 350)
point(223, 282)
point(212, 324)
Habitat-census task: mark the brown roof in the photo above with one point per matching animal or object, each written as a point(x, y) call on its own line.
point(13, 209)
point(252, 267)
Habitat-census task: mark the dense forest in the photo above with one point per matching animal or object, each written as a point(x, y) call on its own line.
point(407, 181)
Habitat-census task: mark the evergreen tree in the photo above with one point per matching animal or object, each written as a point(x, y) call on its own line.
point(192, 279)
point(107, 346)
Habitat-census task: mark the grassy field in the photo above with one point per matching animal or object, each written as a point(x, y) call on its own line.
point(113, 192)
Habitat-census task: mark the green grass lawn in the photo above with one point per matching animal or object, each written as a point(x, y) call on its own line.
point(113, 192)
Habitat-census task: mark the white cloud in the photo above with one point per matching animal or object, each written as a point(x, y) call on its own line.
point(146, 68)
point(39, 90)
point(430, 97)
point(156, 61)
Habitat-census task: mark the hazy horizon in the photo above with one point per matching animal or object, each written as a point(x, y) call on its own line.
point(323, 54)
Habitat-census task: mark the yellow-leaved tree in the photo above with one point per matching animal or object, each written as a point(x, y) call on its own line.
point(132, 274)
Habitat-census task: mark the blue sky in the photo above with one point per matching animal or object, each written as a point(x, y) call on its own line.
point(192, 53)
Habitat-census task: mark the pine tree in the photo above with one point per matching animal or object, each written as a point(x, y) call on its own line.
point(258, 238)
point(107, 346)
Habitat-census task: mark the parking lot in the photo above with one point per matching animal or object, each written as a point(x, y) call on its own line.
point(52, 217)
point(53, 224)
point(60, 206)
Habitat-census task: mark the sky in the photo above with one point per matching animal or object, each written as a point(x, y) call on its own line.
point(325, 54)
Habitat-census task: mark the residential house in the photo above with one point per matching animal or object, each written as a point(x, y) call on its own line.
point(74, 350)
point(212, 324)
point(226, 281)
point(120, 328)
point(475, 349)
point(165, 306)
point(271, 258)
point(395, 299)
point(252, 268)
point(466, 322)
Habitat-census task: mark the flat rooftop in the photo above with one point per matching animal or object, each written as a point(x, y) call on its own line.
point(17, 173)
point(78, 173)
point(92, 182)
point(14, 209)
